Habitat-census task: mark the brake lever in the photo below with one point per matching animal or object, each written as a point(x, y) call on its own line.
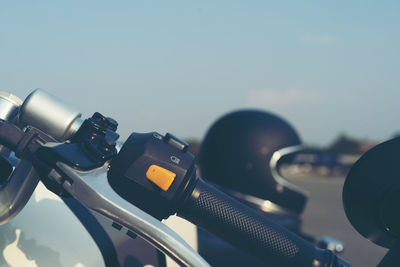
point(92, 189)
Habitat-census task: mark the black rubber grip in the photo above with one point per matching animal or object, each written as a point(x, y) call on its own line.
point(242, 227)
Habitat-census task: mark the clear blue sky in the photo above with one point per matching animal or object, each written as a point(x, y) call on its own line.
point(327, 67)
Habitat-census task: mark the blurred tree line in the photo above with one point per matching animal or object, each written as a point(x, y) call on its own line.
point(342, 144)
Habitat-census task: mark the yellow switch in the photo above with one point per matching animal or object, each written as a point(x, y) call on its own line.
point(163, 178)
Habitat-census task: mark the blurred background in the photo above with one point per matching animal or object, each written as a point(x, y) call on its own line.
point(330, 69)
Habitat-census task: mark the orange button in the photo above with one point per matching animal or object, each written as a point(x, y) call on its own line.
point(163, 178)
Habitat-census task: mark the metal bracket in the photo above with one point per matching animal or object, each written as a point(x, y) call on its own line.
point(15, 194)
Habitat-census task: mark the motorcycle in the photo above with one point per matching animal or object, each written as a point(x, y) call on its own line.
point(134, 184)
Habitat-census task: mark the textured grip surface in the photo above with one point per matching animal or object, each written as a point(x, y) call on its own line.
point(244, 228)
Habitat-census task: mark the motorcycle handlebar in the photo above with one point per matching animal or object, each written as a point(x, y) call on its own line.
point(213, 210)
point(241, 226)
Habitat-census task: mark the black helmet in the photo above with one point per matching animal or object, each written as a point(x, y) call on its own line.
point(240, 153)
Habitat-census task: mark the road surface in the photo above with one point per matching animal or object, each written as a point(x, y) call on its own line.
point(324, 215)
